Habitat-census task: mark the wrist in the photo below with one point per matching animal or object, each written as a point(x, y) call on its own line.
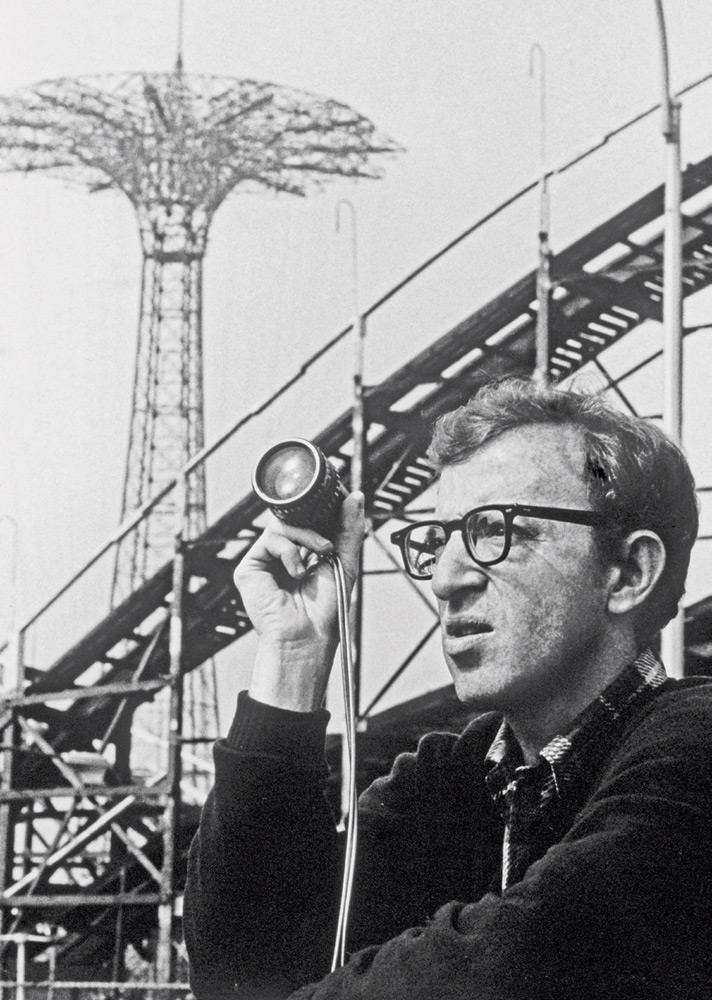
point(291, 676)
point(295, 736)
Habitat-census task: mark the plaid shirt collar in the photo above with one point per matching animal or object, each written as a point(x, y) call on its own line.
point(526, 795)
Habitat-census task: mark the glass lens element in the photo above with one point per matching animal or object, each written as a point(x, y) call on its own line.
point(486, 532)
point(287, 472)
point(424, 544)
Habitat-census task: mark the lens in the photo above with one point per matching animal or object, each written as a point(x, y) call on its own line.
point(486, 532)
point(295, 479)
point(287, 472)
point(424, 544)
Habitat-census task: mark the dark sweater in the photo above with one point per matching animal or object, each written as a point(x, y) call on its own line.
point(618, 906)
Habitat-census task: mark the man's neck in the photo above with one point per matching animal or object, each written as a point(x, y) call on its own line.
point(536, 725)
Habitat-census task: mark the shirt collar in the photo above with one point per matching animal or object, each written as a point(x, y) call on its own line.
point(567, 754)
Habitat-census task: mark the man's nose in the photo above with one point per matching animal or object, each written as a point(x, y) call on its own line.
point(455, 569)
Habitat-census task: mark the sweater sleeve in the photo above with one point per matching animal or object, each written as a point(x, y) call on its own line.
point(619, 908)
point(263, 864)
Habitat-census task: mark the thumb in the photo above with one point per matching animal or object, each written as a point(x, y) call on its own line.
point(350, 536)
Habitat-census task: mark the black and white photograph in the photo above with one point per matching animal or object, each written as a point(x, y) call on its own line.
point(355, 500)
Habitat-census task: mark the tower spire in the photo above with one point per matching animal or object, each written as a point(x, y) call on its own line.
point(179, 56)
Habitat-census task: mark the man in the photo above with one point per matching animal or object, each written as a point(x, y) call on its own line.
point(560, 847)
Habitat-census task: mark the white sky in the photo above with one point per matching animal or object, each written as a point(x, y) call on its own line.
point(448, 79)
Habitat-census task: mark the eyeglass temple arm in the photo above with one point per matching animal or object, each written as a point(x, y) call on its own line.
point(588, 517)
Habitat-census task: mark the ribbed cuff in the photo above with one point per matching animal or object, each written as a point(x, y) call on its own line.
point(277, 731)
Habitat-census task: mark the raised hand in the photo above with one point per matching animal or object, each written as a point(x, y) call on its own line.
point(289, 593)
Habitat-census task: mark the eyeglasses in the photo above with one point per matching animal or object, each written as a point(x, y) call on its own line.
point(486, 532)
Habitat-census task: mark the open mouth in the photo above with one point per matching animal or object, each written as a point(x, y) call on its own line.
point(460, 628)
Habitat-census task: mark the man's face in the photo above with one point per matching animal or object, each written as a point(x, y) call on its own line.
point(531, 628)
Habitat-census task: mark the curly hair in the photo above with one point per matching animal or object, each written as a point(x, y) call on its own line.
point(637, 477)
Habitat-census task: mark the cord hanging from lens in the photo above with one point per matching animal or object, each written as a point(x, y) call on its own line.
point(347, 675)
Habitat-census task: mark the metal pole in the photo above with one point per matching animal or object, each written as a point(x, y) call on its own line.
point(358, 435)
point(14, 546)
point(21, 945)
point(543, 279)
point(52, 971)
point(9, 742)
point(672, 645)
point(164, 950)
point(179, 58)
point(357, 416)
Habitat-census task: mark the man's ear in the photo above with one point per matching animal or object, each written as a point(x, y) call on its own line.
point(638, 569)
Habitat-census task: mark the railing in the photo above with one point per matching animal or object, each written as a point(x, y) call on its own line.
point(51, 989)
point(141, 982)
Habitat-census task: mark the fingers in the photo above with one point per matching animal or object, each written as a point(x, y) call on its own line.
point(283, 543)
point(293, 547)
point(294, 554)
point(290, 556)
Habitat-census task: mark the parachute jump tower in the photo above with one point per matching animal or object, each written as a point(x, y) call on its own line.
point(177, 145)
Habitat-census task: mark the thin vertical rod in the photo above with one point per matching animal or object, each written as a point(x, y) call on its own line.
point(10, 740)
point(357, 418)
point(20, 991)
point(543, 280)
point(52, 971)
point(672, 285)
point(358, 434)
point(14, 546)
point(164, 952)
point(673, 634)
point(179, 58)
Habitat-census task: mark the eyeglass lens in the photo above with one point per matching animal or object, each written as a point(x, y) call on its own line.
point(486, 537)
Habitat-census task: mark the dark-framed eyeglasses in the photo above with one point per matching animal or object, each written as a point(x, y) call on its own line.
point(486, 532)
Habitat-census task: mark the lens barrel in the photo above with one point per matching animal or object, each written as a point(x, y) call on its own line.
point(296, 481)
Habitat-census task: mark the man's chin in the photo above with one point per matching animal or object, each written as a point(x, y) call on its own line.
point(478, 701)
point(473, 687)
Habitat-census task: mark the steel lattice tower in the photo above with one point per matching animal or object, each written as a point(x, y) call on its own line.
point(177, 145)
